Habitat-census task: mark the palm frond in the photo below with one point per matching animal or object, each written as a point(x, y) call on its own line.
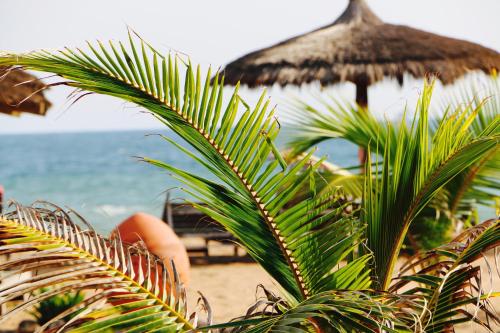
point(50, 253)
point(481, 182)
point(332, 311)
point(418, 163)
point(315, 233)
point(449, 281)
point(329, 176)
point(412, 173)
point(250, 194)
point(477, 184)
point(312, 125)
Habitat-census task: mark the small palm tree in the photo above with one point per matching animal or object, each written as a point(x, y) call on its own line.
point(51, 307)
point(335, 267)
point(455, 206)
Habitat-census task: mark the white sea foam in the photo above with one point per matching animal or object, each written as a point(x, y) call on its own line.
point(112, 210)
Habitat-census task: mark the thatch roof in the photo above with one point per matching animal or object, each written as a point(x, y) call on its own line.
point(360, 48)
point(21, 92)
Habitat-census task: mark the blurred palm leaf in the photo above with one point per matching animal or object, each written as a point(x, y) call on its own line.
point(449, 282)
point(50, 250)
point(334, 119)
point(51, 307)
point(329, 176)
point(480, 184)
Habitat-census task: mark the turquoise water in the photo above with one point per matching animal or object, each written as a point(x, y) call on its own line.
point(97, 175)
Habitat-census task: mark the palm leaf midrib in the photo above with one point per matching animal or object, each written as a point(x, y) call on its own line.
point(255, 198)
point(250, 191)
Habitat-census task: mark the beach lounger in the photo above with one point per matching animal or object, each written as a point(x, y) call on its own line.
point(187, 221)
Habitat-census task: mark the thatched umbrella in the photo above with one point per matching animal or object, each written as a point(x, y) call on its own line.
point(21, 92)
point(360, 48)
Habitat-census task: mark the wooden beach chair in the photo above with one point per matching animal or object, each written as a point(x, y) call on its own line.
point(187, 221)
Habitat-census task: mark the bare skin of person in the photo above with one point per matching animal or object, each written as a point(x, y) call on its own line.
point(159, 238)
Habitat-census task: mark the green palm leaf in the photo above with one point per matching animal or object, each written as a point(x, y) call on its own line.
point(250, 195)
point(419, 164)
point(455, 205)
point(413, 172)
point(332, 311)
point(480, 184)
point(329, 176)
point(449, 282)
point(312, 125)
point(52, 253)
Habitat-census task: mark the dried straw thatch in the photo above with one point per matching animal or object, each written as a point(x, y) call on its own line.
point(21, 92)
point(360, 48)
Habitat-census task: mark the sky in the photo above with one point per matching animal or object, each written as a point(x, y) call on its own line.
point(214, 32)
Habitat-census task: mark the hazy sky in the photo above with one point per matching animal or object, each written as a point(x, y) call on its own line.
point(212, 32)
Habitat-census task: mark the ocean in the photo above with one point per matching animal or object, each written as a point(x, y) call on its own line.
point(98, 175)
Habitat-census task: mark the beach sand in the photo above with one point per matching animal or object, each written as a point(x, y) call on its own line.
point(231, 288)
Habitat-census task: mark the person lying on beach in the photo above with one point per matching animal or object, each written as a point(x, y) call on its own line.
point(158, 238)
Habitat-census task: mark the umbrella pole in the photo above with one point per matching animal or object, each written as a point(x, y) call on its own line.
point(362, 101)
